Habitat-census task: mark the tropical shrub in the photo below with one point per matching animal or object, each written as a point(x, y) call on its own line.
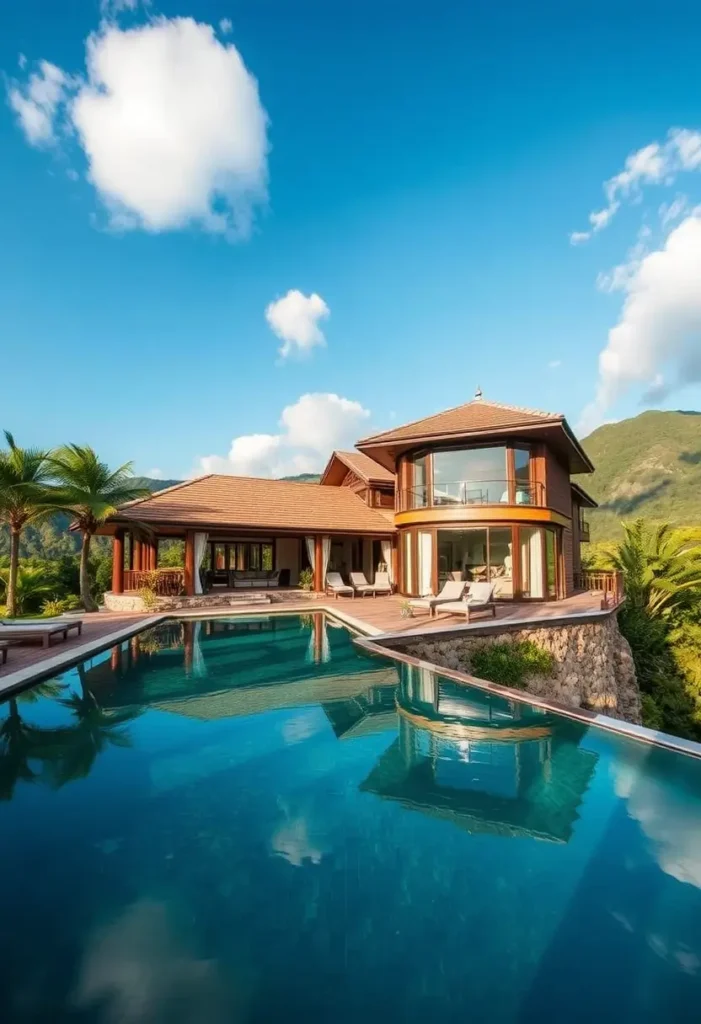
point(148, 596)
point(510, 663)
point(31, 587)
point(53, 607)
point(306, 579)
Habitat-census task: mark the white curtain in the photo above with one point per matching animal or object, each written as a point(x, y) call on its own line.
point(425, 564)
point(325, 555)
point(200, 548)
point(387, 557)
point(198, 666)
point(311, 554)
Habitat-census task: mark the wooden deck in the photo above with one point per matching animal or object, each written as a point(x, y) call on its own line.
point(370, 615)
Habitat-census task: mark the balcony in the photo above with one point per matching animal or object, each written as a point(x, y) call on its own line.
point(463, 493)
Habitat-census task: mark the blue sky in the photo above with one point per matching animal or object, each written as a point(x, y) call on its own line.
point(424, 169)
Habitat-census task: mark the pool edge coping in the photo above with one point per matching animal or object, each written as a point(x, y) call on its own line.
point(370, 639)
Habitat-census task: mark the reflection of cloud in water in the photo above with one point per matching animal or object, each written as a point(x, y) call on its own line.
point(137, 971)
point(668, 816)
point(298, 839)
point(303, 727)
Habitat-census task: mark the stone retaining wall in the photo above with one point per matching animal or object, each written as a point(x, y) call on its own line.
point(593, 663)
point(132, 602)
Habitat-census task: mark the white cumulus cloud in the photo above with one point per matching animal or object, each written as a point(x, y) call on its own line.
point(37, 102)
point(226, 26)
point(170, 121)
point(309, 430)
point(295, 320)
point(656, 343)
point(654, 164)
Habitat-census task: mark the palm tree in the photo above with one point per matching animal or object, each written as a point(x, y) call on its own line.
point(94, 731)
point(661, 569)
point(21, 743)
point(25, 498)
point(91, 492)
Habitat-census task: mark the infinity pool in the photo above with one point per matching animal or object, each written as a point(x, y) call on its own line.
point(253, 821)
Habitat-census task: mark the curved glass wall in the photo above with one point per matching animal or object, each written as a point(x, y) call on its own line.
point(521, 562)
point(489, 475)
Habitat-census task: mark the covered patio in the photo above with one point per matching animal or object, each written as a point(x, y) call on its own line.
point(246, 536)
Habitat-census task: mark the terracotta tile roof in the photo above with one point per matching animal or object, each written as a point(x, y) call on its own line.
point(363, 466)
point(472, 416)
point(252, 502)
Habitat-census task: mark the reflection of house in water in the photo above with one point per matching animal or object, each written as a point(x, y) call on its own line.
point(221, 669)
point(487, 764)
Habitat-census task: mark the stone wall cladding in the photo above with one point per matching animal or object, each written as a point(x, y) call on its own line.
point(130, 602)
point(593, 664)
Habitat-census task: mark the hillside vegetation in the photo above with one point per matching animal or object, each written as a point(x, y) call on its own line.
point(647, 466)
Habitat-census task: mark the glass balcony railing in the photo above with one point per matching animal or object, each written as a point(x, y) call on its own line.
point(472, 492)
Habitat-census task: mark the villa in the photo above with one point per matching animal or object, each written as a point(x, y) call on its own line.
point(481, 492)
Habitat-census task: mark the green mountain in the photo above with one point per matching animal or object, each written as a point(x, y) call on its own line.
point(647, 466)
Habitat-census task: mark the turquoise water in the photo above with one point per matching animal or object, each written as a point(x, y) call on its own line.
point(252, 821)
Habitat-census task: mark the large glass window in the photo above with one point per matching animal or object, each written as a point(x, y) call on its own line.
point(473, 476)
point(477, 555)
point(531, 555)
point(522, 477)
point(551, 563)
point(418, 493)
point(501, 565)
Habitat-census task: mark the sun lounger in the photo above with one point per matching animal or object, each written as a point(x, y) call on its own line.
point(336, 586)
point(43, 632)
point(3, 653)
point(382, 583)
point(452, 590)
point(360, 584)
point(479, 599)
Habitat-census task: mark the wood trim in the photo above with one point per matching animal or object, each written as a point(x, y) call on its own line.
point(481, 515)
point(318, 563)
point(190, 563)
point(118, 563)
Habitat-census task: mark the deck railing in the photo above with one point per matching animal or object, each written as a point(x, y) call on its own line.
point(608, 583)
point(164, 582)
point(471, 492)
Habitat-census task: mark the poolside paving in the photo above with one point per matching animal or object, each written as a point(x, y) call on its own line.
point(371, 615)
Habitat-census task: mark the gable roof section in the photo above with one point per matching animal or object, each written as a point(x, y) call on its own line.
point(475, 418)
point(472, 416)
point(362, 465)
point(256, 503)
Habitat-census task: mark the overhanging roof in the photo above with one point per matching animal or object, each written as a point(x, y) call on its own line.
point(239, 502)
point(584, 499)
point(364, 467)
point(476, 419)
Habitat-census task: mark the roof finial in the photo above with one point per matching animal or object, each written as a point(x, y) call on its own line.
point(478, 394)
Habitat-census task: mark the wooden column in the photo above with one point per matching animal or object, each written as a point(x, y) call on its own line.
point(318, 564)
point(151, 555)
point(188, 643)
point(137, 545)
point(118, 562)
point(131, 550)
point(318, 628)
point(155, 552)
point(189, 563)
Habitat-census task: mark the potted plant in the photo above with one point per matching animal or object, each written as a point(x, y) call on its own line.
point(306, 579)
point(405, 610)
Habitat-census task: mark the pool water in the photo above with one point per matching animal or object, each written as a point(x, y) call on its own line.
point(254, 821)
